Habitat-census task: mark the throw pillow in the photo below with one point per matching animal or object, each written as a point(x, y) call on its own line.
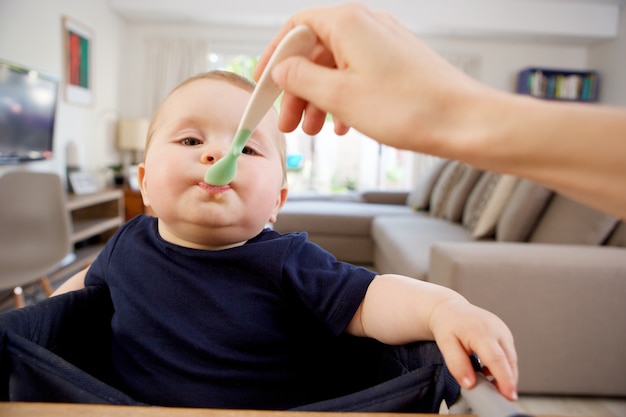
point(450, 176)
point(489, 203)
point(478, 199)
point(521, 213)
point(460, 192)
point(419, 198)
point(566, 221)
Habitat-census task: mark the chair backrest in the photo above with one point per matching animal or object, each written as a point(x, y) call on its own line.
point(34, 226)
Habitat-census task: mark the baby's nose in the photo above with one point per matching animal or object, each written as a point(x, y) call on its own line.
point(212, 155)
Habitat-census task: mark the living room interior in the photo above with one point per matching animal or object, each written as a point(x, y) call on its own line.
point(140, 49)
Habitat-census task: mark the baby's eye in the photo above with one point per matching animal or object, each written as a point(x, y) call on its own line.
point(191, 142)
point(248, 151)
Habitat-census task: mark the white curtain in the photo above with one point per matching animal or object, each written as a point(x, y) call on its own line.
point(169, 62)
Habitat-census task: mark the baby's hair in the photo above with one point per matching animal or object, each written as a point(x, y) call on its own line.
point(237, 81)
point(229, 77)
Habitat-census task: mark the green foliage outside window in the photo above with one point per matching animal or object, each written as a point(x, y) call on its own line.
point(243, 65)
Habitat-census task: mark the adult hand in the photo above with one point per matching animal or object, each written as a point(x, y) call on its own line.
point(373, 74)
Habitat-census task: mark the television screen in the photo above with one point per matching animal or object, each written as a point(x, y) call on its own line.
point(28, 101)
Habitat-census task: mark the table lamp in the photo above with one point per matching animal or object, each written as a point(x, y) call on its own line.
point(131, 136)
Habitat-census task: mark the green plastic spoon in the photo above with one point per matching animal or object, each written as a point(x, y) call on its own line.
point(299, 41)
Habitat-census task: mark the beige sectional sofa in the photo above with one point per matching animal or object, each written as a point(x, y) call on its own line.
point(552, 269)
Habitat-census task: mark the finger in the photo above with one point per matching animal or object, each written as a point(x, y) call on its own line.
point(340, 127)
point(511, 354)
point(503, 368)
point(458, 363)
point(314, 120)
point(325, 88)
point(294, 109)
point(291, 112)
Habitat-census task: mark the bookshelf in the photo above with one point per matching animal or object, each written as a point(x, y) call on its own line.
point(94, 218)
point(558, 84)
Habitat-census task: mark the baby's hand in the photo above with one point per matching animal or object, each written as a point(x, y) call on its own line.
point(461, 329)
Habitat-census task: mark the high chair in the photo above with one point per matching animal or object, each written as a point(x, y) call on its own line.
point(58, 350)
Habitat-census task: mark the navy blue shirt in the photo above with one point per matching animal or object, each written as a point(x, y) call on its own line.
point(247, 327)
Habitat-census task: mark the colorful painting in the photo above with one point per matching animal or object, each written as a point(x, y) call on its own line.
point(78, 63)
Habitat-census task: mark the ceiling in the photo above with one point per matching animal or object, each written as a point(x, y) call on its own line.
point(580, 20)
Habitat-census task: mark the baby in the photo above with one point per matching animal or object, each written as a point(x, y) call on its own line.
point(213, 309)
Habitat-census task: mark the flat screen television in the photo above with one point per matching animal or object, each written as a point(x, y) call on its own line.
point(28, 101)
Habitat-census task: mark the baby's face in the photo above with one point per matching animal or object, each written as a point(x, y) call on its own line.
point(194, 129)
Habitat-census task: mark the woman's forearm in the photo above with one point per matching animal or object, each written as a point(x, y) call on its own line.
point(576, 149)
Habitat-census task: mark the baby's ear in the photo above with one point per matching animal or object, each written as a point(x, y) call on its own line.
point(280, 202)
point(141, 178)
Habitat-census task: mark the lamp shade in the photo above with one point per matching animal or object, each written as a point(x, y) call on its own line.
point(132, 133)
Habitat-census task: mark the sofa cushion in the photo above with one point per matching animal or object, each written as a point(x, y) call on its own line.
point(402, 243)
point(384, 197)
point(486, 202)
point(336, 218)
point(568, 222)
point(522, 211)
point(458, 198)
point(452, 189)
point(419, 198)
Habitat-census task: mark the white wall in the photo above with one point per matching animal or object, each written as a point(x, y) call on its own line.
point(500, 60)
point(31, 35)
point(610, 59)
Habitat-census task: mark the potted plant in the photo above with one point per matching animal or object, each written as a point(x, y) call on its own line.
point(118, 173)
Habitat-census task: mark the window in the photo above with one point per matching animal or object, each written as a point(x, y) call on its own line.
point(326, 162)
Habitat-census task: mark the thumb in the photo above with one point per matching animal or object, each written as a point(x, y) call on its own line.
point(310, 82)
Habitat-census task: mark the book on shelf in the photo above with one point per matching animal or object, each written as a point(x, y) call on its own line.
point(559, 85)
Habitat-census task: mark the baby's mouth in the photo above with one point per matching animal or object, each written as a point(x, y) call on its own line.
point(215, 191)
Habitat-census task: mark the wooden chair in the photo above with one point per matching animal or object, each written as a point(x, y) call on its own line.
point(34, 230)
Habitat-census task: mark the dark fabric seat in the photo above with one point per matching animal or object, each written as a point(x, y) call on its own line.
point(58, 351)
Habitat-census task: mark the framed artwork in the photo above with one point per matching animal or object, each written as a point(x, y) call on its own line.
point(78, 59)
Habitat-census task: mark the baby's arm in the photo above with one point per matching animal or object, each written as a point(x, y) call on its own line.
point(75, 282)
point(400, 310)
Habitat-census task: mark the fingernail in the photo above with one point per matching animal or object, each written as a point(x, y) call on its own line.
point(514, 395)
point(466, 382)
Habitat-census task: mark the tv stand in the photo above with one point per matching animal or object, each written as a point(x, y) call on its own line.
point(94, 218)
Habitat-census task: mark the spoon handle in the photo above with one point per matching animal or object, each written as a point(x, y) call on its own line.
point(299, 41)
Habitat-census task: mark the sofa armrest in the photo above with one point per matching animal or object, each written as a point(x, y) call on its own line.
point(385, 197)
point(565, 304)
